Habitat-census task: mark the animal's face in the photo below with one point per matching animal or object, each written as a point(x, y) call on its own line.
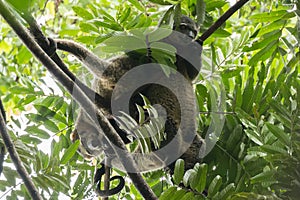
point(187, 26)
point(188, 50)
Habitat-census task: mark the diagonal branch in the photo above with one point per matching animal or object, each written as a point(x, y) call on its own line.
point(2, 148)
point(222, 19)
point(100, 121)
point(34, 193)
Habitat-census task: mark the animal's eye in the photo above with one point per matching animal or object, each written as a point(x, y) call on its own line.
point(184, 28)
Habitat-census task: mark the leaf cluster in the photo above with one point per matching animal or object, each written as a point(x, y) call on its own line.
point(254, 58)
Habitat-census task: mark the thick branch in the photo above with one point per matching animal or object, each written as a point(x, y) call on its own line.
point(222, 19)
point(2, 148)
point(81, 98)
point(15, 157)
point(106, 177)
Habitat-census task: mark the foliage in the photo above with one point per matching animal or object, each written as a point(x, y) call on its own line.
point(256, 54)
point(148, 130)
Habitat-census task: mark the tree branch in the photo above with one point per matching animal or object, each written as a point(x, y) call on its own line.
point(2, 148)
point(106, 177)
point(34, 193)
point(101, 122)
point(222, 19)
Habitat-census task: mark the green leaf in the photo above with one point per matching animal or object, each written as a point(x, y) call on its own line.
point(221, 33)
point(123, 43)
point(124, 15)
point(279, 133)
point(272, 16)
point(69, 32)
point(106, 15)
point(27, 100)
point(227, 191)
point(263, 54)
point(267, 39)
point(179, 194)
point(214, 186)
point(276, 25)
point(202, 170)
point(252, 196)
point(161, 2)
point(253, 135)
point(214, 4)
point(61, 181)
point(137, 4)
point(69, 153)
point(86, 39)
point(178, 171)
point(188, 196)
point(234, 138)
point(158, 34)
point(229, 73)
point(51, 126)
point(44, 111)
point(165, 49)
point(109, 25)
point(188, 177)
point(280, 109)
point(264, 176)
point(10, 175)
point(34, 130)
point(82, 12)
point(247, 119)
point(26, 138)
point(274, 149)
point(24, 55)
point(139, 21)
point(23, 6)
point(196, 180)
point(141, 114)
point(88, 27)
point(167, 194)
point(21, 90)
point(41, 182)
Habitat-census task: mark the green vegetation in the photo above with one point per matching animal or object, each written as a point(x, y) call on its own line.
point(254, 56)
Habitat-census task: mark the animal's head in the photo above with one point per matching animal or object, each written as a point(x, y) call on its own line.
point(188, 50)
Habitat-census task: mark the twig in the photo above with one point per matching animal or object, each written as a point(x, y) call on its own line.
point(222, 19)
point(34, 193)
point(101, 122)
point(11, 189)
